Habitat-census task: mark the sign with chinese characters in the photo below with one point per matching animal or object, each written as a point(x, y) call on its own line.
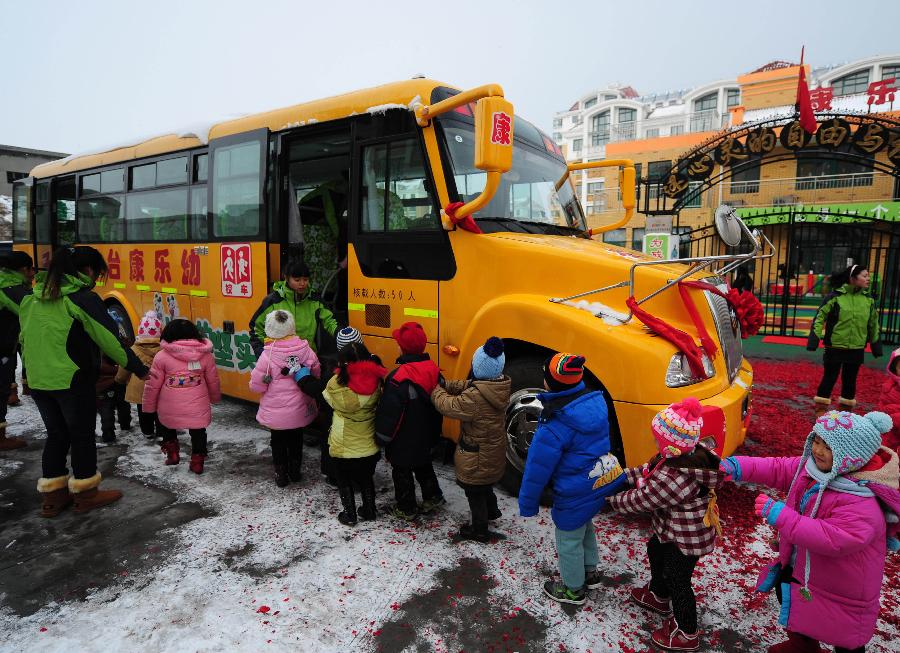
point(658, 224)
point(236, 269)
point(822, 214)
point(232, 351)
point(501, 132)
point(661, 246)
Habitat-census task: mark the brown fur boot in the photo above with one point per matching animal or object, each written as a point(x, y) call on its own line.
point(823, 405)
point(87, 496)
point(8, 444)
point(848, 405)
point(55, 494)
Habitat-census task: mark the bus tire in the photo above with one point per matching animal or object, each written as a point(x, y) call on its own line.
point(522, 415)
point(121, 315)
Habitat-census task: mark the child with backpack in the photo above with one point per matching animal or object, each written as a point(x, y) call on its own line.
point(408, 424)
point(283, 408)
point(571, 450)
point(145, 347)
point(480, 403)
point(353, 392)
point(834, 529)
point(677, 487)
point(182, 387)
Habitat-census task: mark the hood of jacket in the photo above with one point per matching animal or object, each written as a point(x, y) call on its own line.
point(187, 350)
point(495, 391)
point(10, 278)
point(850, 289)
point(418, 369)
point(70, 284)
point(711, 478)
point(364, 377)
point(282, 289)
point(280, 350)
point(581, 413)
point(146, 350)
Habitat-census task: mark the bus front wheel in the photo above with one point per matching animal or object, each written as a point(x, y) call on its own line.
point(522, 415)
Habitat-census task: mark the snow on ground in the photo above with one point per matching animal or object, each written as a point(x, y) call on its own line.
point(273, 570)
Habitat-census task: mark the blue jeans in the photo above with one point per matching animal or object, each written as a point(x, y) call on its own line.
point(578, 555)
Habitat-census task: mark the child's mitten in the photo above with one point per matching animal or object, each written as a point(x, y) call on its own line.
point(731, 468)
point(768, 508)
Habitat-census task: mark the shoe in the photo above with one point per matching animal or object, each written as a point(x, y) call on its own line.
point(494, 515)
point(8, 444)
point(172, 451)
point(281, 476)
point(647, 599)
point(671, 638)
point(428, 506)
point(823, 405)
point(294, 470)
point(125, 427)
point(367, 512)
point(593, 580)
point(401, 514)
point(55, 494)
point(559, 592)
point(847, 405)
point(348, 515)
point(109, 437)
point(796, 643)
point(468, 533)
point(196, 464)
point(331, 482)
point(87, 497)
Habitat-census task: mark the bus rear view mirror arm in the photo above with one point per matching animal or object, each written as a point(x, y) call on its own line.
point(626, 185)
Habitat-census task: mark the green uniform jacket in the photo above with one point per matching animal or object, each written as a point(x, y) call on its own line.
point(62, 338)
point(304, 312)
point(352, 433)
point(12, 291)
point(848, 320)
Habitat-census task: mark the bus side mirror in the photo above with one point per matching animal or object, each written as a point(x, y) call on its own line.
point(626, 183)
point(494, 118)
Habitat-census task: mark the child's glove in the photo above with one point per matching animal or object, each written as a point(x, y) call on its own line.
point(731, 469)
point(768, 508)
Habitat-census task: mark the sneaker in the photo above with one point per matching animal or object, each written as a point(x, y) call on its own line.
point(671, 638)
point(647, 599)
point(559, 592)
point(593, 580)
point(400, 514)
point(428, 506)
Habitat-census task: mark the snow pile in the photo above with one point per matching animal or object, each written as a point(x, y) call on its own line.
point(609, 315)
point(412, 105)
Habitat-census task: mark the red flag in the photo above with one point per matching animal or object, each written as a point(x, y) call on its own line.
point(804, 103)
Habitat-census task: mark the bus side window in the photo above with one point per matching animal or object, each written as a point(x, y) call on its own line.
point(236, 194)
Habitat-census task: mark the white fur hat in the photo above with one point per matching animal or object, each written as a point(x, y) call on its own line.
point(280, 324)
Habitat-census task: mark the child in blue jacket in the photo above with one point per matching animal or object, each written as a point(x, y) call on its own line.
point(571, 450)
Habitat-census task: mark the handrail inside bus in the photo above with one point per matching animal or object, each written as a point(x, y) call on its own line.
point(627, 185)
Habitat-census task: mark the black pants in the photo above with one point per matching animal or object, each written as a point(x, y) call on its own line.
point(359, 472)
point(7, 378)
point(146, 420)
point(287, 445)
point(670, 577)
point(198, 437)
point(405, 487)
point(482, 504)
point(112, 405)
point(843, 362)
point(69, 417)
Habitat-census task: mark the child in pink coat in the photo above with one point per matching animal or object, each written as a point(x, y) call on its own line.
point(283, 408)
point(890, 402)
point(832, 531)
point(182, 387)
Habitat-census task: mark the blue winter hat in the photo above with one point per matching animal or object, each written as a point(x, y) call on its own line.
point(347, 335)
point(853, 439)
point(489, 360)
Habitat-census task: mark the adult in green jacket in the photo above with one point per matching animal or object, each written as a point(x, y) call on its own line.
point(297, 297)
point(16, 275)
point(65, 327)
point(845, 324)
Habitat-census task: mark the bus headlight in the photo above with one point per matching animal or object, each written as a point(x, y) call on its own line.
point(679, 372)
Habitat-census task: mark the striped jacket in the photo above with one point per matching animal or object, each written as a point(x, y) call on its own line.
point(677, 499)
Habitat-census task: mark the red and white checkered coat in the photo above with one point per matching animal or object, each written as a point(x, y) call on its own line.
point(677, 501)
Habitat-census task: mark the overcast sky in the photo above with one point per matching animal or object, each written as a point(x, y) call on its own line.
point(80, 75)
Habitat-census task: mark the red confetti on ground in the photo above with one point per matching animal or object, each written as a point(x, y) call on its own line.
point(43, 629)
point(263, 609)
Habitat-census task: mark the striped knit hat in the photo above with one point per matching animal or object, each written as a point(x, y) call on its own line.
point(563, 371)
point(677, 427)
point(347, 335)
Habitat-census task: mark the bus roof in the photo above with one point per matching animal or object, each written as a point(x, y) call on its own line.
point(370, 100)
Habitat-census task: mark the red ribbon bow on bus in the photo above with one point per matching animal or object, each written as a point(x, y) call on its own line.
point(465, 222)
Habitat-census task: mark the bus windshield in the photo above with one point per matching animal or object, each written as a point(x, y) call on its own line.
point(527, 193)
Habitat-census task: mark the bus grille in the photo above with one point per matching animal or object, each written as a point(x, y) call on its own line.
point(729, 330)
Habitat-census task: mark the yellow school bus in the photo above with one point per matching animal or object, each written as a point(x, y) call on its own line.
point(198, 224)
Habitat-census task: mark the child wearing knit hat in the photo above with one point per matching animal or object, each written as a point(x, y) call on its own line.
point(408, 424)
point(571, 451)
point(678, 488)
point(145, 347)
point(832, 529)
point(480, 459)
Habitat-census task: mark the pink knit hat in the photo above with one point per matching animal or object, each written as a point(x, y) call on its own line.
point(677, 427)
point(150, 327)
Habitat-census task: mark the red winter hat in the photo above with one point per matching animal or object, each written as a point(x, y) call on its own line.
point(411, 338)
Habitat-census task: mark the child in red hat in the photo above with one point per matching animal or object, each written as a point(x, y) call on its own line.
point(408, 424)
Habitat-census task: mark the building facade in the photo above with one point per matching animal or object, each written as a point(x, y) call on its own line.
point(655, 130)
point(17, 162)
